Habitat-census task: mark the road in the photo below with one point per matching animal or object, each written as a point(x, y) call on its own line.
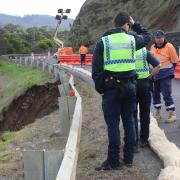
point(172, 130)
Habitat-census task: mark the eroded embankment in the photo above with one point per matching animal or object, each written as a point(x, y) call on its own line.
point(36, 102)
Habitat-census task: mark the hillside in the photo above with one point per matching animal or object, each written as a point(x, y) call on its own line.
point(95, 17)
point(33, 21)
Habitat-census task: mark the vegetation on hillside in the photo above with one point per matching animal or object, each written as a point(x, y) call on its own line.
point(14, 39)
point(95, 17)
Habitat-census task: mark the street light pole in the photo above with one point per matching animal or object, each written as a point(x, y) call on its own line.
point(59, 18)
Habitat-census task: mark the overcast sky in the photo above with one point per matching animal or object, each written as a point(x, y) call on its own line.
point(43, 7)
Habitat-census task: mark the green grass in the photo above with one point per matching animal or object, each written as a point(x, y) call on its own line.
point(19, 79)
point(9, 137)
point(5, 157)
point(6, 138)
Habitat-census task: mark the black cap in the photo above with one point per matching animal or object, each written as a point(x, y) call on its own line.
point(159, 33)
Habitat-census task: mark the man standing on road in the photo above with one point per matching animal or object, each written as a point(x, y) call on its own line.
point(167, 55)
point(113, 72)
point(83, 51)
point(143, 93)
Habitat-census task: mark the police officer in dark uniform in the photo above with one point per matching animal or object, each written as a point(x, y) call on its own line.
point(113, 72)
point(143, 93)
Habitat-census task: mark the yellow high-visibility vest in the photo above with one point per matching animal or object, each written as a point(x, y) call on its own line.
point(119, 52)
point(142, 67)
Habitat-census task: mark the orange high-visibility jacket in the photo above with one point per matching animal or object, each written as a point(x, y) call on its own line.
point(83, 50)
point(167, 55)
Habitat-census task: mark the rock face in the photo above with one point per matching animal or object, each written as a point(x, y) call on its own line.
point(96, 17)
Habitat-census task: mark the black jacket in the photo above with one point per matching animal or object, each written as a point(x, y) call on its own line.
point(98, 72)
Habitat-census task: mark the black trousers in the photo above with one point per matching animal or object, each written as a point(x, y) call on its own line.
point(83, 59)
point(143, 95)
point(118, 102)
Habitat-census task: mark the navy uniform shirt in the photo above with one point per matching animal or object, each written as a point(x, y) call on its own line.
point(152, 60)
point(98, 72)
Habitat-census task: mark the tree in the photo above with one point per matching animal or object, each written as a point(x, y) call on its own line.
point(3, 44)
point(15, 39)
point(45, 44)
point(15, 44)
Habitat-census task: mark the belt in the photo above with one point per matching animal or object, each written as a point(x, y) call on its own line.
point(115, 82)
point(118, 79)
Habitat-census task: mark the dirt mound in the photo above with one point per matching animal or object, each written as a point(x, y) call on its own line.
point(36, 102)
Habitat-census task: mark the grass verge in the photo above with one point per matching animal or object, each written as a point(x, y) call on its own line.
point(19, 80)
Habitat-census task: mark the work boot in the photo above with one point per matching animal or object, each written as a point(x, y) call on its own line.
point(157, 114)
point(171, 117)
point(105, 166)
point(144, 144)
point(127, 164)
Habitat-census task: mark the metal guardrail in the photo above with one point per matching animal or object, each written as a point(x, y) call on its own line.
point(71, 118)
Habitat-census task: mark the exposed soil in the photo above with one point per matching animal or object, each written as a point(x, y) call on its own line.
point(44, 133)
point(35, 118)
point(36, 102)
point(93, 145)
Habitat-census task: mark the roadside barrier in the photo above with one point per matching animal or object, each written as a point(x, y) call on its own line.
point(59, 165)
point(74, 59)
point(65, 50)
point(167, 151)
point(67, 169)
point(177, 70)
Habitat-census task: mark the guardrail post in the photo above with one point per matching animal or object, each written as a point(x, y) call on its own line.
point(64, 115)
point(64, 89)
point(26, 61)
point(37, 62)
point(41, 165)
point(56, 73)
point(20, 60)
point(71, 106)
point(63, 76)
point(32, 61)
point(52, 162)
point(44, 65)
point(33, 165)
point(13, 60)
point(50, 68)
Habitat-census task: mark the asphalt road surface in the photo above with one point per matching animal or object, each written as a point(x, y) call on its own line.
point(172, 130)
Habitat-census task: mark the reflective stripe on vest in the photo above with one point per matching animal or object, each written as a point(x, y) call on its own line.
point(166, 66)
point(142, 67)
point(163, 58)
point(119, 51)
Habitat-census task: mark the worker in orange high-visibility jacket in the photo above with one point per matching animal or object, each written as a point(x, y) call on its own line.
point(167, 55)
point(83, 51)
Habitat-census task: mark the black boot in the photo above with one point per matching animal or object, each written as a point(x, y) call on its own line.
point(105, 166)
